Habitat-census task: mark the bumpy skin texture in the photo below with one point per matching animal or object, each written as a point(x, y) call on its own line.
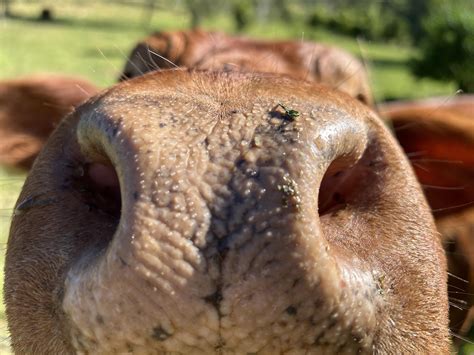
point(438, 136)
point(213, 50)
point(30, 109)
point(243, 227)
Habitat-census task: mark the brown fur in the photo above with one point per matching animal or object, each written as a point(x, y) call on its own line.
point(30, 109)
point(438, 135)
point(208, 164)
point(213, 50)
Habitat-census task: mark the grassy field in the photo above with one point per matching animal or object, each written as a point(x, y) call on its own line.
point(93, 40)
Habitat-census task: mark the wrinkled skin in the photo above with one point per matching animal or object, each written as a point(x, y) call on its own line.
point(190, 212)
point(438, 136)
point(30, 109)
point(214, 50)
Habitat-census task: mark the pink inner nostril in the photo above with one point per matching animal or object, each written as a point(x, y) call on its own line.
point(103, 175)
point(99, 187)
point(340, 184)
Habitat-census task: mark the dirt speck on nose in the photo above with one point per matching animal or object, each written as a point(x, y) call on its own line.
point(160, 334)
point(290, 197)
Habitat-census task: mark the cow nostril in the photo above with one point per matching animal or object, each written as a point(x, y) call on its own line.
point(337, 186)
point(330, 199)
point(100, 188)
point(103, 175)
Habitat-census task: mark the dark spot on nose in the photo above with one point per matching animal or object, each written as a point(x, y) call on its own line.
point(214, 298)
point(291, 310)
point(160, 334)
point(122, 262)
point(361, 98)
point(99, 319)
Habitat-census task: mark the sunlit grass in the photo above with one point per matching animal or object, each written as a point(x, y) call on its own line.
point(93, 41)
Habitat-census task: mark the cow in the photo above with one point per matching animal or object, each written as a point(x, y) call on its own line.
point(438, 136)
point(451, 119)
point(194, 211)
point(30, 109)
point(214, 50)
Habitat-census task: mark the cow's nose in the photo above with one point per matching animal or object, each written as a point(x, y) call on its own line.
point(252, 213)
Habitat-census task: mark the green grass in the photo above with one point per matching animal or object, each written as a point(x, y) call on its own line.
point(93, 40)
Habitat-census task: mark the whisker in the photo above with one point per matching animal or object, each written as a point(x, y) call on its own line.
point(434, 187)
point(459, 301)
point(455, 287)
point(147, 64)
point(443, 103)
point(107, 59)
point(84, 91)
point(460, 307)
point(453, 207)
point(366, 63)
point(348, 77)
point(446, 101)
point(467, 340)
point(47, 104)
point(310, 66)
point(461, 293)
point(457, 277)
point(165, 59)
point(406, 126)
point(126, 59)
point(155, 64)
point(420, 166)
point(412, 154)
point(429, 160)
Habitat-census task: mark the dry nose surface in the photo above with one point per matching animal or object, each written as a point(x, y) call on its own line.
point(202, 212)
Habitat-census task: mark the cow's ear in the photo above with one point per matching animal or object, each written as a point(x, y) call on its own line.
point(439, 142)
point(341, 70)
point(19, 150)
point(30, 108)
point(457, 231)
point(438, 139)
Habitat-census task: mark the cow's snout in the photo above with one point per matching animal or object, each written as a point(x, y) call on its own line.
point(201, 212)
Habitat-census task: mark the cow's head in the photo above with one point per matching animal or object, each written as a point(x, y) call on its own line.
point(207, 212)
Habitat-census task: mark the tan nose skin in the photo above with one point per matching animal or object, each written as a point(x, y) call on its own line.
point(200, 212)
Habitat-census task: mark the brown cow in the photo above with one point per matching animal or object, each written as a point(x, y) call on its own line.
point(207, 212)
point(30, 108)
point(438, 136)
point(213, 50)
